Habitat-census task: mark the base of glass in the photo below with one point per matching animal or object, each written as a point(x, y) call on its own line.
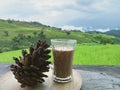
point(62, 80)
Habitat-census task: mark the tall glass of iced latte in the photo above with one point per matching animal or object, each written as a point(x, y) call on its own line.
point(63, 50)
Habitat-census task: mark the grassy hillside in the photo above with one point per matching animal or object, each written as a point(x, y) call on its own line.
point(16, 27)
point(20, 34)
point(28, 28)
point(84, 55)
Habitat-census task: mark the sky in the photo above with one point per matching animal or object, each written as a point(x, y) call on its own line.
point(75, 14)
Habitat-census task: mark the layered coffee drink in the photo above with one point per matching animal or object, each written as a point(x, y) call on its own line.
point(63, 57)
point(63, 50)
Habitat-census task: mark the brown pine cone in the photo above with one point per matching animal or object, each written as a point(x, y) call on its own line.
point(29, 70)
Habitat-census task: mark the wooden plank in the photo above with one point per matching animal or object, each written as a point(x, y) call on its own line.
point(8, 82)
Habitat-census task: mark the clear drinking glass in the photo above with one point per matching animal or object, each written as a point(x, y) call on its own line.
point(63, 50)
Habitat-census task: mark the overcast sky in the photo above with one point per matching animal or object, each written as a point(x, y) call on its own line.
point(60, 13)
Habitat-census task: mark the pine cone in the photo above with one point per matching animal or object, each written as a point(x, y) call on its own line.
point(29, 69)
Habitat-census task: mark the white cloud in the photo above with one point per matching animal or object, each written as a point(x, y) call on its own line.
point(100, 5)
point(57, 12)
point(67, 27)
point(103, 30)
point(84, 29)
point(52, 3)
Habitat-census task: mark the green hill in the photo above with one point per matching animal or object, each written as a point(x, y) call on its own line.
point(20, 34)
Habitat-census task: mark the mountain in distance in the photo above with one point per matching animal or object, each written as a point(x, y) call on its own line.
point(94, 32)
point(115, 33)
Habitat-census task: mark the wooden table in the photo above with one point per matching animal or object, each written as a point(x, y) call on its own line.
point(94, 77)
point(8, 82)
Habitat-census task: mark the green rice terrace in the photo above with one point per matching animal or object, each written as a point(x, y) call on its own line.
point(92, 49)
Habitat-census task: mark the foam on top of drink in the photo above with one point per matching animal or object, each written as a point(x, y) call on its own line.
point(63, 48)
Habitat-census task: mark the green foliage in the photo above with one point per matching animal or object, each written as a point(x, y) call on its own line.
point(1, 50)
point(41, 34)
point(5, 49)
point(34, 33)
point(15, 46)
point(67, 32)
point(6, 33)
point(104, 40)
point(116, 40)
point(5, 45)
point(9, 21)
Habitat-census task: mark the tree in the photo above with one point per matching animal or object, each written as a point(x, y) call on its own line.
point(15, 46)
point(9, 21)
point(67, 32)
point(19, 41)
point(42, 35)
point(1, 50)
point(34, 33)
point(21, 36)
point(6, 33)
point(104, 40)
